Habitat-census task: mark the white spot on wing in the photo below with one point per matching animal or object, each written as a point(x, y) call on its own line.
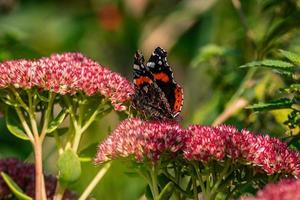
point(150, 64)
point(137, 67)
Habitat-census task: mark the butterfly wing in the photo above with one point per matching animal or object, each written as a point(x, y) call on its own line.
point(148, 98)
point(164, 78)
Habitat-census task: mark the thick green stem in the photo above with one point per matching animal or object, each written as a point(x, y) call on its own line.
point(154, 183)
point(77, 137)
point(40, 190)
point(94, 182)
point(59, 192)
point(39, 193)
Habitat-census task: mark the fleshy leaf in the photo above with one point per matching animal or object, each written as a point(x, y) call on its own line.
point(69, 166)
point(57, 121)
point(16, 190)
point(278, 104)
point(291, 56)
point(14, 125)
point(273, 64)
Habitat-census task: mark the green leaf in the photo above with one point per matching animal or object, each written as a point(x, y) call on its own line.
point(69, 166)
point(167, 192)
point(295, 87)
point(286, 74)
point(58, 131)
point(278, 104)
point(16, 190)
point(273, 64)
point(57, 121)
point(14, 125)
point(291, 56)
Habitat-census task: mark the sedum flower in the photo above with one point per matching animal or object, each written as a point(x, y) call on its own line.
point(284, 190)
point(270, 154)
point(204, 143)
point(23, 174)
point(66, 73)
point(149, 139)
point(142, 139)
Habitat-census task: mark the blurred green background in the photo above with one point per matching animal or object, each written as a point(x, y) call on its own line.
point(206, 40)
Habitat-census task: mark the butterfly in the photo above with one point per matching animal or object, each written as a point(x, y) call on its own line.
point(157, 94)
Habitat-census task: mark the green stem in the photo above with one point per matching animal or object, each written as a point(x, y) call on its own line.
point(95, 181)
point(201, 182)
point(77, 137)
point(58, 143)
point(39, 189)
point(194, 187)
point(80, 130)
point(59, 192)
point(98, 110)
point(154, 182)
point(19, 99)
point(225, 172)
point(47, 115)
point(24, 124)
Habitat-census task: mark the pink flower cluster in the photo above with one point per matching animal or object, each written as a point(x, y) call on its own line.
point(138, 138)
point(150, 139)
point(272, 155)
point(23, 174)
point(66, 73)
point(284, 190)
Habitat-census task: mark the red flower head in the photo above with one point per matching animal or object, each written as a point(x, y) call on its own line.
point(141, 139)
point(66, 73)
point(204, 143)
point(270, 154)
point(284, 190)
point(201, 143)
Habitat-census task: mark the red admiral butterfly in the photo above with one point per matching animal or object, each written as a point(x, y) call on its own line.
point(156, 93)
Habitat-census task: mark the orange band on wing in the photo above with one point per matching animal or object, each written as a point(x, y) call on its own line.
point(162, 77)
point(178, 99)
point(141, 80)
